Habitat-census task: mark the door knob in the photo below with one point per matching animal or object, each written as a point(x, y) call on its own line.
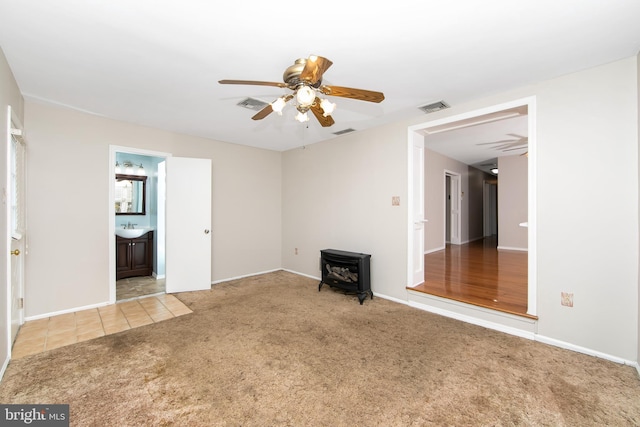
point(15, 252)
point(206, 231)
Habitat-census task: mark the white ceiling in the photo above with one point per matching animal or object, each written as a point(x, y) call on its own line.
point(480, 140)
point(157, 62)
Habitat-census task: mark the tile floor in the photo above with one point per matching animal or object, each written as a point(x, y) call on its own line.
point(40, 335)
point(133, 287)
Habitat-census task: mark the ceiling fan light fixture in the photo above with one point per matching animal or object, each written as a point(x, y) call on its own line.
point(305, 96)
point(304, 79)
point(278, 105)
point(302, 117)
point(327, 106)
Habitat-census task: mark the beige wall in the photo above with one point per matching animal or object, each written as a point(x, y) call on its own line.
point(512, 202)
point(338, 194)
point(68, 211)
point(587, 220)
point(9, 96)
point(435, 165)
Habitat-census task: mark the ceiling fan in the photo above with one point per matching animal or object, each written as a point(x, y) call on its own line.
point(519, 143)
point(509, 144)
point(304, 78)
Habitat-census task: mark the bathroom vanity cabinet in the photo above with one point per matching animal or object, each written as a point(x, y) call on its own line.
point(134, 257)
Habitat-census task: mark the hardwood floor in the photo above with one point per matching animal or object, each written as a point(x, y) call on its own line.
point(477, 273)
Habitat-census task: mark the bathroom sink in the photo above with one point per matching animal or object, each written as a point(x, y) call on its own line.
point(131, 233)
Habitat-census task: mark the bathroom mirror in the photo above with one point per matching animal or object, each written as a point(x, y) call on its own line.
point(130, 194)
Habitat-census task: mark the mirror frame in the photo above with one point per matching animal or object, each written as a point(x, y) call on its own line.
point(143, 179)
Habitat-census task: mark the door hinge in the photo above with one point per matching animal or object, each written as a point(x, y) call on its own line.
point(21, 303)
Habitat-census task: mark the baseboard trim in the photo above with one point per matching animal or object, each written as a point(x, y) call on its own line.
point(523, 334)
point(301, 274)
point(393, 299)
point(584, 350)
point(69, 310)
point(435, 250)
point(5, 364)
point(480, 322)
point(215, 282)
point(510, 248)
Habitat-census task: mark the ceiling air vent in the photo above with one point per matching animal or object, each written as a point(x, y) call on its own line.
point(433, 107)
point(342, 132)
point(253, 104)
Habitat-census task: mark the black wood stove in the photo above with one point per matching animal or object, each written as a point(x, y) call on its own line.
point(349, 271)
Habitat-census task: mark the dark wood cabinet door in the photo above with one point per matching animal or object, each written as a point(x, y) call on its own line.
point(139, 249)
point(123, 261)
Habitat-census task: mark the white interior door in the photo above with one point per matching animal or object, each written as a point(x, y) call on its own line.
point(188, 217)
point(455, 220)
point(418, 213)
point(17, 218)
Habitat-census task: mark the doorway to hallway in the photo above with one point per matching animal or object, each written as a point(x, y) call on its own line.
point(473, 122)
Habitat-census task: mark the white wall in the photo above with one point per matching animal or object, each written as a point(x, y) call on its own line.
point(337, 194)
point(9, 96)
point(588, 209)
point(512, 202)
point(68, 208)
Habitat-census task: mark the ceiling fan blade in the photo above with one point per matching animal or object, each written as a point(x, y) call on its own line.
point(251, 82)
point(317, 111)
point(498, 142)
point(269, 109)
point(263, 113)
point(314, 69)
point(348, 92)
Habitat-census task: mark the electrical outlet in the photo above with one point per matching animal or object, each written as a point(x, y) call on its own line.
point(395, 201)
point(566, 299)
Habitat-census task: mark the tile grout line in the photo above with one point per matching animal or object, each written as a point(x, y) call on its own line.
point(50, 331)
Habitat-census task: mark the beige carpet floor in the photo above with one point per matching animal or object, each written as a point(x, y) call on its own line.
point(273, 351)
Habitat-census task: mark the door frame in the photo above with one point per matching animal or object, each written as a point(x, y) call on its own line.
point(416, 211)
point(15, 131)
point(416, 132)
point(113, 149)
point(454, 238)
